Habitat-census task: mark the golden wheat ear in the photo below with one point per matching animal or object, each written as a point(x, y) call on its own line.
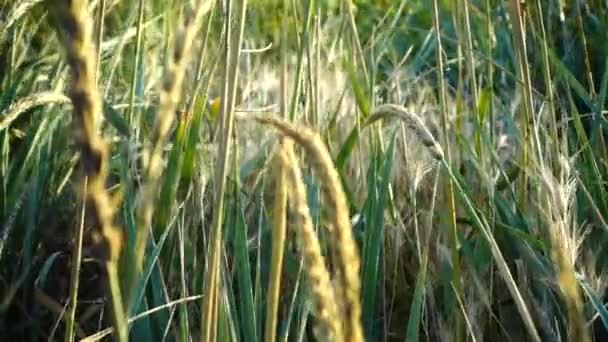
point(75, 25)
point(347, 281)
point(326, 309)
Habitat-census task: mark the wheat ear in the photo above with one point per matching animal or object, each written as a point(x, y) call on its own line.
point(348, 284)
point(169, 99)
point(75, 24)
point(22, 105)
point(326, 309)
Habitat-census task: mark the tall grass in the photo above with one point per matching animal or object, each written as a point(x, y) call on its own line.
point(303, 170)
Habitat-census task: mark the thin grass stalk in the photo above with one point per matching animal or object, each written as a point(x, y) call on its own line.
point(492, 119)
point(460, 59)
point(278, 246)
point(137, 53)
point(302, 49)
point(348, 284)
point(490, 70)
point(548, 85)
point(473, 79)
point(317, 63)
point(100, 335)
point(212, 281)
point(211, 278)
point(517, 18)
point(589, 71)
point(101, 15)
point(201, 64)
point(449, 195)
point(328, 326)
point(75, 273)
point(583, 38)
point(416, 306)
point(74, 19)
point(169, 98)
point(348, 4)
point(279, 208)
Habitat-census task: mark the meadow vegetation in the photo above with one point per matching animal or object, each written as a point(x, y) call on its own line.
point(314, 170)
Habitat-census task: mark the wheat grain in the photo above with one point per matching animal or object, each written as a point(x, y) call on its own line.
point(565, 244)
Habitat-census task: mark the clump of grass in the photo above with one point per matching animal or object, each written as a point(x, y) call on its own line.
point(75, 25)
point(326, 310)
point(212, 283)
point(479, 221)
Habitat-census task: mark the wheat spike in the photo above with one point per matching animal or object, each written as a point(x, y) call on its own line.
point(75, 24)
point(348, 284)
point(326, 309)
point(170, 96)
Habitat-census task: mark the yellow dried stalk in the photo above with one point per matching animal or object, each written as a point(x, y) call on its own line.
point(324, 300)
point(278, 245)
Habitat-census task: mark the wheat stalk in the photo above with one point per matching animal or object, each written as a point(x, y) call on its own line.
point(412, 121)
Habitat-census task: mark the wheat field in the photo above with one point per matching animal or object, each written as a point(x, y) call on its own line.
point(303, 170)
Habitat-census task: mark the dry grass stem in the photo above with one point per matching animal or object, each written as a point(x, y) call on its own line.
point(278, 245)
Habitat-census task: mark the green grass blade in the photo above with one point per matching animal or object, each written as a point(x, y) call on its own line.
point(374, 238)
point(243, 273)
